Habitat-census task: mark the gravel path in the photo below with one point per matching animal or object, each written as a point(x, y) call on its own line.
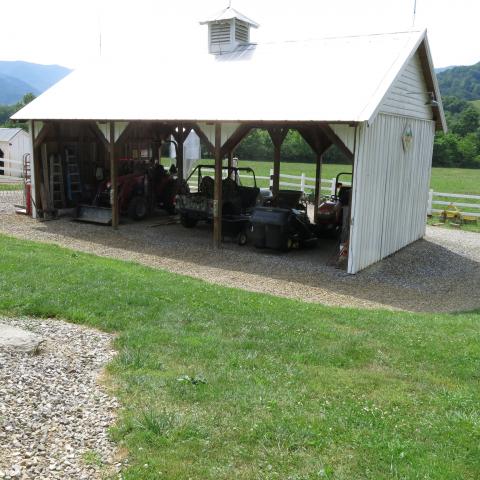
point(438, 274)
point(54, 415)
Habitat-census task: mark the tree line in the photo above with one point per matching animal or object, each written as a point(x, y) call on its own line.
point(460, 146)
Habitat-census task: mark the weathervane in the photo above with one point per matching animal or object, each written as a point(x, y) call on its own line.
point(414, 12)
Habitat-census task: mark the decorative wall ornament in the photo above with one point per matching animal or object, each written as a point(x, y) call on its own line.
point(407, 138)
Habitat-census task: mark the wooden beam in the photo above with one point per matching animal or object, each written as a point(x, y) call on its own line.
point(126, 131)
point(315, 138)
point(204, 138)
point(277, 134)
point(318, 185)
point(180, 134)
point(217, 200)
point(113, 177)
point(35, 173)
point(237, 136)
point(42, 135)
point(93, 127)
point(332, 136)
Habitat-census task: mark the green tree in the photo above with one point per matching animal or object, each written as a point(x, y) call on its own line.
point(6, 111)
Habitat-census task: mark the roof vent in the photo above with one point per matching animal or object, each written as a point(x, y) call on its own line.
point(227, 30)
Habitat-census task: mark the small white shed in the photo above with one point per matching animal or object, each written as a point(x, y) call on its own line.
point(14, 144)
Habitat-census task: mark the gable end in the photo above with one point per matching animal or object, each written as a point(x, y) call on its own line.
point(408, 96)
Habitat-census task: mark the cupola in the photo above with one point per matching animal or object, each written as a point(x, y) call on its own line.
point(227, 30)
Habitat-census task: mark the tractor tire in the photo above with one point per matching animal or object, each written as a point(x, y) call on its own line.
point(138, 208)
point(187, 221)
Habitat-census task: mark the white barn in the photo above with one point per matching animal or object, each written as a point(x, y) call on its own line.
point(375, 97)
point(14, 144)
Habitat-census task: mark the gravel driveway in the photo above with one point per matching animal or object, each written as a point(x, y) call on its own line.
point(54, 416)
point(439, 273)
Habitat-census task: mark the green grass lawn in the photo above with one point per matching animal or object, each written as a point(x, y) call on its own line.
point(8, 187)
point(219, 383)
point(450, 180)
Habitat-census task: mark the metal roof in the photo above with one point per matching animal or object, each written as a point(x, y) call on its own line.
point(340, 79)
point(227, 14)
point(6, 134)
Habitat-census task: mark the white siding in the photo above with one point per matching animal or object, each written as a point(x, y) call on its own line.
point(13, 153)
point(408, 94)
point(345, 133)
point(390, 190)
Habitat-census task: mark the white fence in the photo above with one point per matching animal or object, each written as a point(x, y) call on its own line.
point(307, 184)
point(450, 199)
point(304, 183)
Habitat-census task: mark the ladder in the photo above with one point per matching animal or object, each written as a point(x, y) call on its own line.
point(57, 188)
point(74, 187)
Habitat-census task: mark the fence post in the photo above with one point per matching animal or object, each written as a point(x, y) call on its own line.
point(302, 183)
point(333, 190)
point(271, 177)
point(430, 202)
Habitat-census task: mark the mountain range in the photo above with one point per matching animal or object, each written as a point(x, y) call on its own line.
point(462, 82)
point(18, 78)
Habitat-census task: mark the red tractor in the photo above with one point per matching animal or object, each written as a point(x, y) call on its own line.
point(139, 194)
point(330, 212)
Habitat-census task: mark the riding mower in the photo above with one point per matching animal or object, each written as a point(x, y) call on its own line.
point(139, 194)
point(329, 219)
point(283, 223)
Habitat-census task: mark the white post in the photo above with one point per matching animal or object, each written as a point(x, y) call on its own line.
point(271, 177)
point(333, 190)
point(430, 202)
point(302, 183)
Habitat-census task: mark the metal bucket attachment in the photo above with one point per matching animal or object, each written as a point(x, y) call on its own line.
point(88, 213)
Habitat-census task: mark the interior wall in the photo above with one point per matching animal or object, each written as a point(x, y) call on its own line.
point(390, 188)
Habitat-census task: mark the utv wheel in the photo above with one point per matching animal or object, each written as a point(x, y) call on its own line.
point(138, 208)
point(188, 222)
point(242, 238)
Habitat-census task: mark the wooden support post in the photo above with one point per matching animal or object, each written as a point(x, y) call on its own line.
point(277, 134)
point(34, 173)
point(318, 185)
point(113, 177)
point(179, 155)
point(276, 170)
point(217, 201)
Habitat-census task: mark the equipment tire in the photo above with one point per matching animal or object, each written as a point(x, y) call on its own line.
point(187, 221)
point(242, 238)
point(138, 208)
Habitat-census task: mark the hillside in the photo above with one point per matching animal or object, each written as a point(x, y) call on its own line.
point(18, 78)
point(462, 82)
point(13, 89)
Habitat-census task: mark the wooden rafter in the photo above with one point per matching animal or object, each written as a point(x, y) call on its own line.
point(237, 136)
point(336, 140)
point(45, 131)
point(205, 139)
point(93, 127)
